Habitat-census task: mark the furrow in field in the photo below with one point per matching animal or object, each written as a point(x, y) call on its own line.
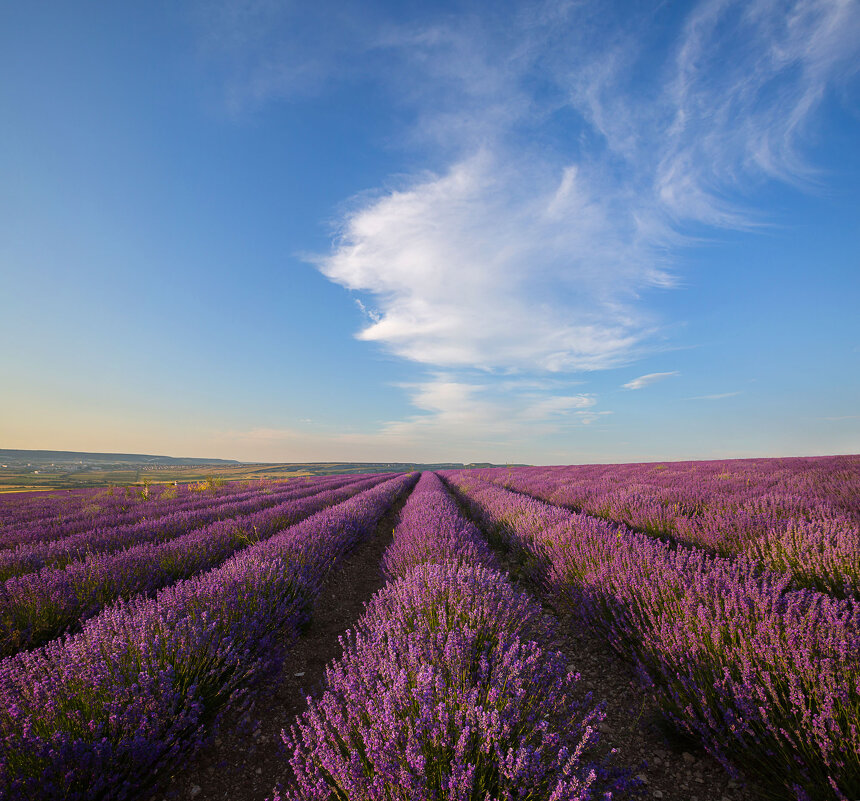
point(246, 760)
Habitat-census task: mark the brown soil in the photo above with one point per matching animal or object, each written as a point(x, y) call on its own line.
point(672, 768)
point(247, 759)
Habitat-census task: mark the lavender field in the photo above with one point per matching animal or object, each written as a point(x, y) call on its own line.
point(136, 628)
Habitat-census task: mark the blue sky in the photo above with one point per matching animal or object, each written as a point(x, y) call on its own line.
point(544, 232)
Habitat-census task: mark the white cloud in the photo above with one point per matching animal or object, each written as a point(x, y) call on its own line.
point(371, 314)
point(514, 257)
point(650, 378)
point(452, 403)
point(496, 266)
point(478, 418)
point(455, 419)
point(558, 406)
point(572, 146)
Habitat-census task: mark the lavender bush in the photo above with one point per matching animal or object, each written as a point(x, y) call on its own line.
point(797, 515)
point(767, 677)
point(431, 529)
point(37, 607)
point(442, 694)
point(112, 535)
point(73, 514)
point(443, 715)
point(108, 711)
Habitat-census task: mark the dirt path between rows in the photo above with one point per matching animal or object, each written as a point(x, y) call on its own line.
point(248, 759)
point(673, 768)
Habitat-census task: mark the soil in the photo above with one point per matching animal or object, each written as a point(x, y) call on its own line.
point(247, 759)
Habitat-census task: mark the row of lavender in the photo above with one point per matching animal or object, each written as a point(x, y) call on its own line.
point(109, 711)
point(167, 500)
point(819, 485)
point(38, 607)
point(29, 506)
point(444, 690)
point(30, 516)
point(38, 503)
point(108, 535)
point(775, 512)
point(766, 677)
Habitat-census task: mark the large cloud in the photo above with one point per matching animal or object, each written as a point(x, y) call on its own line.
point(575, 149)
point(516, 256)
point(497, 266)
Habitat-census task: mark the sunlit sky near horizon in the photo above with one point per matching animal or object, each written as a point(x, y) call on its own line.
point(552, 232)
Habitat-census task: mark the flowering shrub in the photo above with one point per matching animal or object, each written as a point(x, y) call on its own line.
point(442, 692)
point(37, 607)
point(59, 517)
point(766, 677)
point(107, 712)
point(801, 516)
point(431, 529)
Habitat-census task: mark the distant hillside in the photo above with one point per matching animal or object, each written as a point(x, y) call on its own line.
point(25, 457)
point(373, 467)
point(25, 469)
point(36, 458)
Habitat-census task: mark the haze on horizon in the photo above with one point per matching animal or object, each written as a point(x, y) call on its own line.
point(542, 232)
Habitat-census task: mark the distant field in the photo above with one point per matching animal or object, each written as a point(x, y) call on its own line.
point(17, 480)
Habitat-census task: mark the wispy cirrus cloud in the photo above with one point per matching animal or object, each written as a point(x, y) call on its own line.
point(482, 422)
point(570, 152)
point(450, 404)
point(558, 243)
point(648, 379)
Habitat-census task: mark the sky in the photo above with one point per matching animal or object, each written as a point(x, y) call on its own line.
point(541, 232)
